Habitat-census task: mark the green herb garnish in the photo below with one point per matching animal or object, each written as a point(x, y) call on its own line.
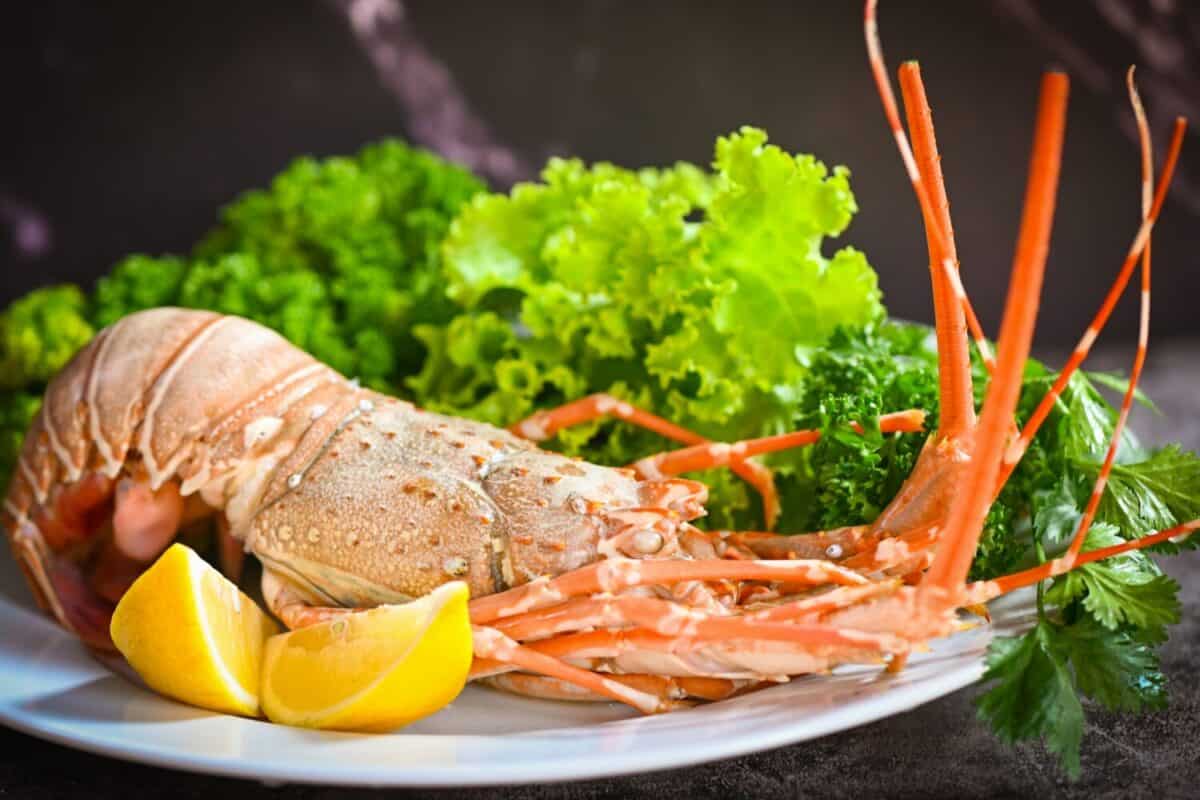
point(703, 295)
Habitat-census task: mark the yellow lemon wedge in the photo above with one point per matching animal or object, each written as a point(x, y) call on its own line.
point(192, 635)
point(371, 670)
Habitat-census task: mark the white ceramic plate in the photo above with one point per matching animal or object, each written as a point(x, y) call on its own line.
point(51, 688)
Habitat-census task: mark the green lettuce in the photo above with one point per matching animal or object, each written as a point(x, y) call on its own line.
point(341, 255)
point(700, 295)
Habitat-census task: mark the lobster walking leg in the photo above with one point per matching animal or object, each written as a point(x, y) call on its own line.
point(544, 424)
point(617, 574)
point(670, 619)
point(834, 544)
point(813, 648)
point(719, 454)
point(491, 644)
point(145, 520)
point(668, 688)
point(293, 608)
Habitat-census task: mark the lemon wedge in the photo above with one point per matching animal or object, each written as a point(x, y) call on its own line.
point(372, 670)
point(192, 635)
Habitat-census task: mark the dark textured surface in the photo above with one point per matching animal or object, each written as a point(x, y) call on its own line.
point(938, 750)
point(128, 124)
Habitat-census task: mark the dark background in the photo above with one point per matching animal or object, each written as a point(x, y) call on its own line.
point(127, 125)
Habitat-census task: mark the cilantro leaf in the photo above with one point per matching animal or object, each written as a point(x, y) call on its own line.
point(1119, 383)
point(1056, 516)
point(1113, 667)
point(1033, 696)
point(1128, 589)
point(1153, 494)
point(1087, 425)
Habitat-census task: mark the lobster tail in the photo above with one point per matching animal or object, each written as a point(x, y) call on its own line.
point(156, 405)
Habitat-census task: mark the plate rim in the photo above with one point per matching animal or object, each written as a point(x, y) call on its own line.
point(579, 767)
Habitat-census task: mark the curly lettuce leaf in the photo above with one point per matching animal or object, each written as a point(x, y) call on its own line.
point(341, 255)
point(17, 410)
point(40, 333)
point(136, 283)
point(698, 294)
point(355, 242)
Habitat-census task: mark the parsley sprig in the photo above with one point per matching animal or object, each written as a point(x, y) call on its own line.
point(1098, 627)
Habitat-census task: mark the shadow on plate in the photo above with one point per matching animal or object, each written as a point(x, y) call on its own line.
point(111, 699)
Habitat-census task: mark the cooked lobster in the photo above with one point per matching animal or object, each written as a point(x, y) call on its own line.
point(588, 581)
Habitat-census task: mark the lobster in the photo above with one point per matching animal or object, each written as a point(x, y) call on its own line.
point(588, 582)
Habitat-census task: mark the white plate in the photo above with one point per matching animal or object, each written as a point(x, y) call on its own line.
point(51, 688)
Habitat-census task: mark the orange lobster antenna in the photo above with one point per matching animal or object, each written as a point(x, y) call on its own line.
point(937, 235)
point(1093, 330)
point(970, 505)
point(957, 400)
point(1139, 358)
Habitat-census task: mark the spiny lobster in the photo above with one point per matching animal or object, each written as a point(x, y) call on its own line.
point(589, 582)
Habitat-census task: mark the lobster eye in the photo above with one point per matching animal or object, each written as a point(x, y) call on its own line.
point(647, 542)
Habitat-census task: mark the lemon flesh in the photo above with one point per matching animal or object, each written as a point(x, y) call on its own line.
point(372, 670)
point(192, 635)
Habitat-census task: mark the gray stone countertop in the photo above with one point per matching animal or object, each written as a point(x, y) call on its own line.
point(937, 750)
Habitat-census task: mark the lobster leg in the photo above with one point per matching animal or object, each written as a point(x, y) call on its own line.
point(718, 454)
point(813, 648)
point(668, 618)
point(667, 688)
point(983, 591)
point(834, 544)
point(617, 574)
point(813, 609)
point(493, 645)
point(293, 607)
point(861, 547)
point(547, 423)
point(145, 520)
point(295, 610)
